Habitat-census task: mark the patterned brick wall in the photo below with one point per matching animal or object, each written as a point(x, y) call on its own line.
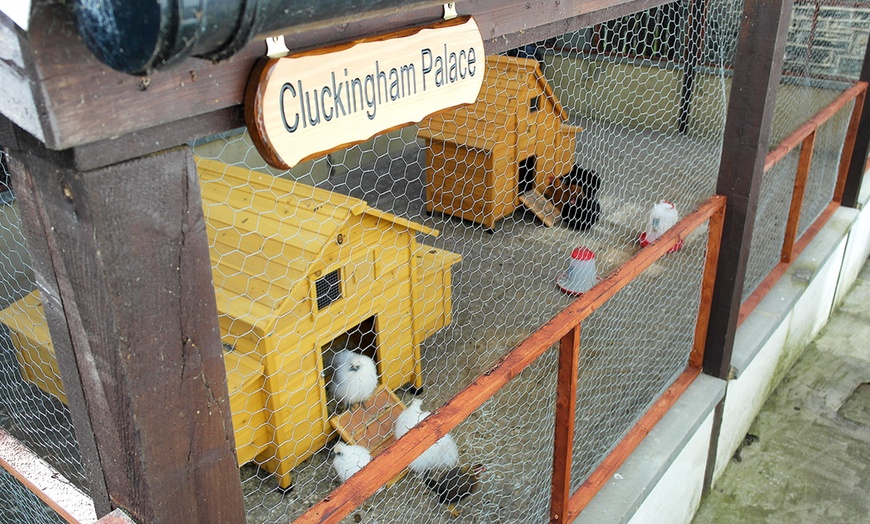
point(828, 40)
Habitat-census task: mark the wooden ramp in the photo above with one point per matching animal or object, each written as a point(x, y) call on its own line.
point(541, 206)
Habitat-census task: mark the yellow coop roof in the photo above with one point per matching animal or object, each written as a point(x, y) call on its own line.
point(486, 123)
point(265, 232)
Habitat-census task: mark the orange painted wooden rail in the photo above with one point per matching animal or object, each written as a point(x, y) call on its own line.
point(805, 138)
point(564, 329)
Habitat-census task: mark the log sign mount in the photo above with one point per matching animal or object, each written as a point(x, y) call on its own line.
point(305, 105)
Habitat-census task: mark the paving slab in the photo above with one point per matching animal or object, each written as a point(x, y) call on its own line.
point(806, 457)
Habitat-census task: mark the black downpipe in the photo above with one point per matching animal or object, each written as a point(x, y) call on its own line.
point(141, 36)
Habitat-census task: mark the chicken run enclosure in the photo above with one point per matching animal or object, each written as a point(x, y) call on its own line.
point(490, 261)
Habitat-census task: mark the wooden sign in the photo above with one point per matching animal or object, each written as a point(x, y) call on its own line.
point(303, 106)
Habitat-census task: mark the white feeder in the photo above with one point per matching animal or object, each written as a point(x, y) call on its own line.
point(581, 273)
point(662, 217)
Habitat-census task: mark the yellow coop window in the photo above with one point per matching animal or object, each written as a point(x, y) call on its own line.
point(328, 288)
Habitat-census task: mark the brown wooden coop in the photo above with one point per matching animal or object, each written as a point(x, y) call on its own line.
point(485, 159)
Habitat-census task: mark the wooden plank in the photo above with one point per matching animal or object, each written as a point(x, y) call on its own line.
point(42, 248)
point(18, 100)
point(714, 241)
point(135, 300)
point(797, 197)
point(396, 457)
point(858, 158)
point(45, 482)
point(86, 102)
point(604, 472)
point(541, 206)
point(849, 144)
point(757, 69)
point(566, 407)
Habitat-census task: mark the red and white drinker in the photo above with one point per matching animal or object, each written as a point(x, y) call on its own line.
point(581, 274)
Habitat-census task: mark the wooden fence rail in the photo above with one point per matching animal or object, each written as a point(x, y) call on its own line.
point(564, 329)
point(805, 137)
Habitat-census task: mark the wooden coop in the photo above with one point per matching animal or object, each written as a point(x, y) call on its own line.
point(295, 268)
point(485, 159)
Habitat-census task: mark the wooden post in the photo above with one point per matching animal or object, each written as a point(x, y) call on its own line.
point(566, 405)
point(849, 144)
point(858, 158)
point(757, 70)
point(122, 263)
point(714, 241)
point(797, 197)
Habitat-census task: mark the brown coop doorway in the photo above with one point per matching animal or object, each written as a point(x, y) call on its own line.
point(362, 338)
point(526, 174)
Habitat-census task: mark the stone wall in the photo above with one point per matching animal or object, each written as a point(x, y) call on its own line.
point(835, 46)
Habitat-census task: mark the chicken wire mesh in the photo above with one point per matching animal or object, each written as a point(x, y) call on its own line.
point(341, 254)
point(768, 233)
point(824, 169)
point(571, 144)
point(31, 409)
point(19, 504)
point(824, 52)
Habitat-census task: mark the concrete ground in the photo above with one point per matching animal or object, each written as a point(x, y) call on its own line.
point(806, 457)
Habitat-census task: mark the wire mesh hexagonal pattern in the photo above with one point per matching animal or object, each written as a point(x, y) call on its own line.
point(361, 291)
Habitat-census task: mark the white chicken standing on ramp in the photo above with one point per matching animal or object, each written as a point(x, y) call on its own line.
point(442, 455)
point(354, 378)
point(348, 459)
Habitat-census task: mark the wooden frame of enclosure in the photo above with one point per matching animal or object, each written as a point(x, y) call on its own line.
point(86, 142)
point(805, 138)
point(563, 329)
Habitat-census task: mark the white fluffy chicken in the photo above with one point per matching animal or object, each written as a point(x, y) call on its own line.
point(354, 377)
point(347, 459)
point(442, 455)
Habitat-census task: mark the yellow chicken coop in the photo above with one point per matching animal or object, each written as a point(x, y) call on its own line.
point(295, 268)
point(484, 159)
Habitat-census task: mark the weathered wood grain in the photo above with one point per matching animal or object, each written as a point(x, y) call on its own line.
point(37, 228)
point(87, 102)
point(125, 277)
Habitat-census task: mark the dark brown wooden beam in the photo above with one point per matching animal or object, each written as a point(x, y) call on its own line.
point(849, 144)
point(74, 100)
point(122, 263)
point(858, 158)
point(757, 71)
point(40, 244)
